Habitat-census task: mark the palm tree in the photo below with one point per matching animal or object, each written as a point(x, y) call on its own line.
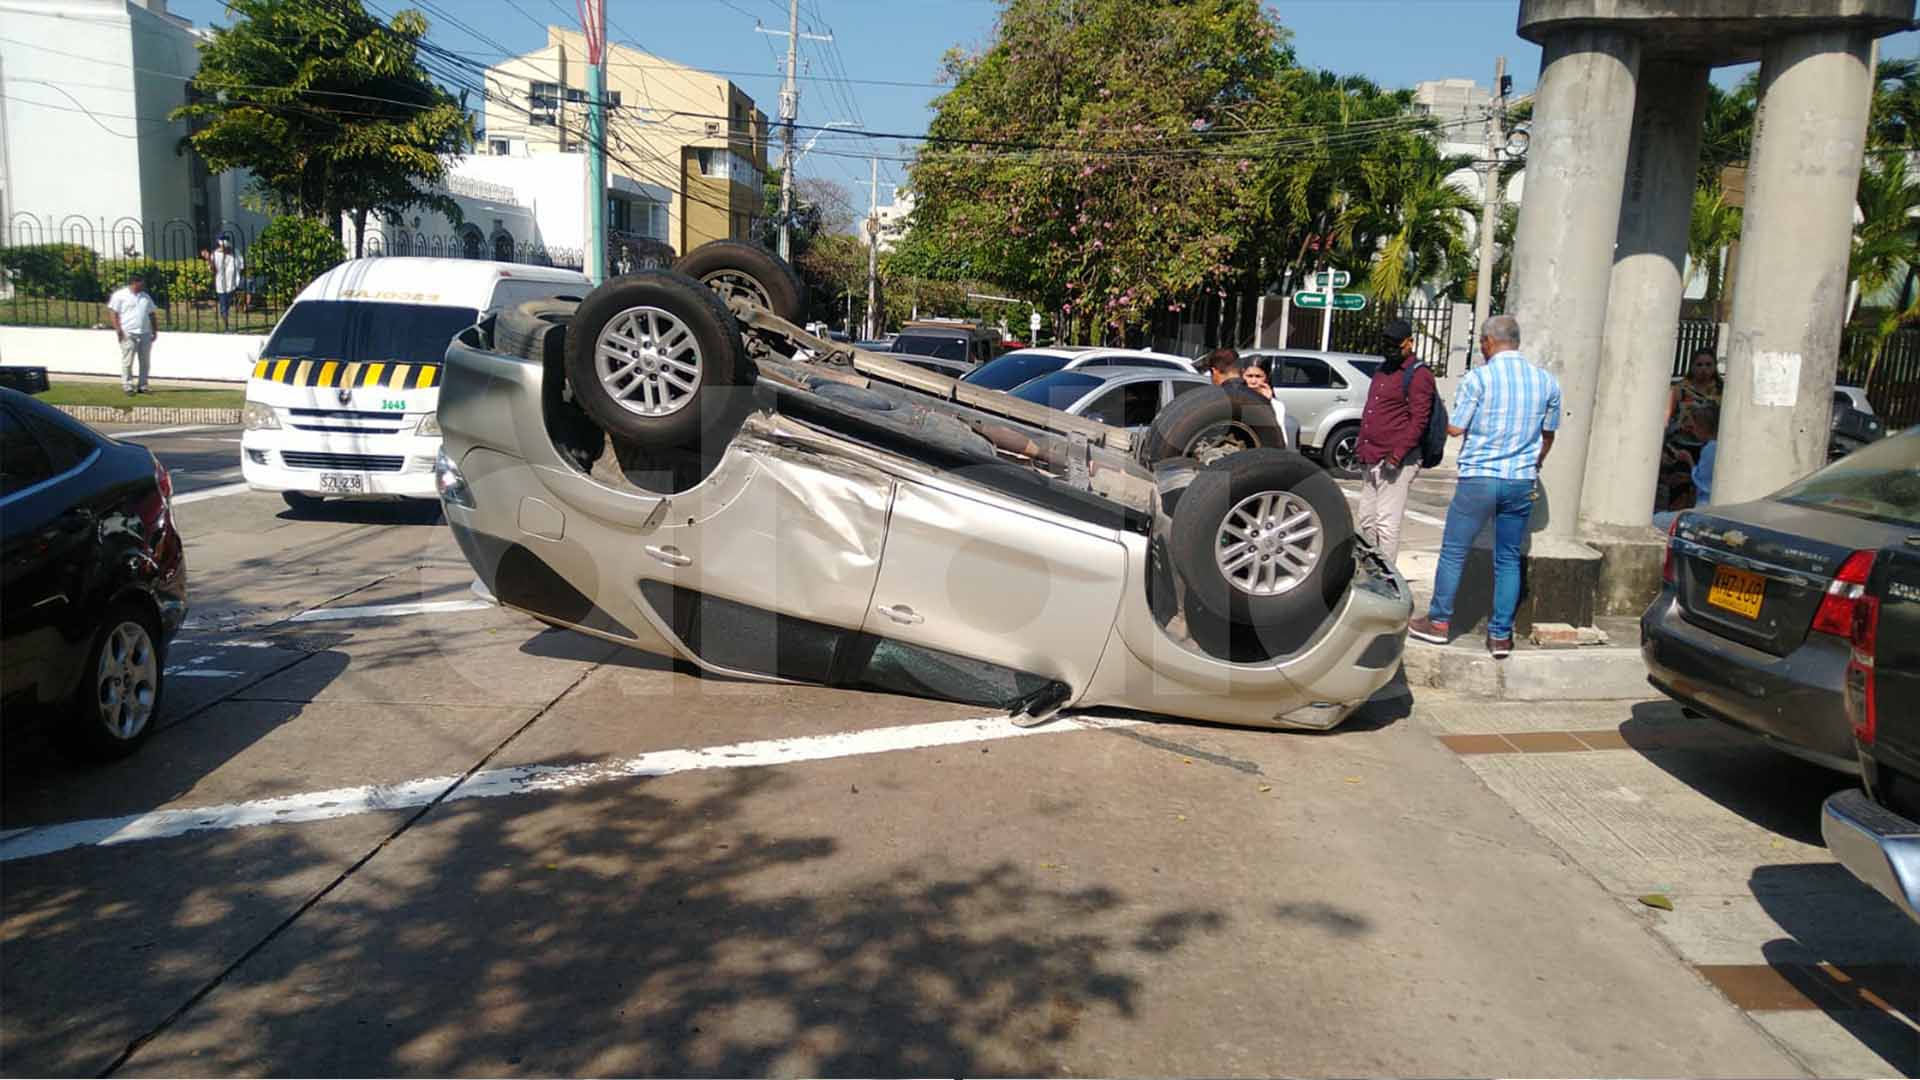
point(1886, 251)
point(1895, 116)
point(1713, 227)
point(1409, 214)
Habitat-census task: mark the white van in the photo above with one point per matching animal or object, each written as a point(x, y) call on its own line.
point(342, 401)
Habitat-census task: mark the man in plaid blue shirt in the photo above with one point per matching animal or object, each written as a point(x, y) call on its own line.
point(1508, 410)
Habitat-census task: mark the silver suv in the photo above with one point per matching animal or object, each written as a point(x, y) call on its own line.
point(1325, 392)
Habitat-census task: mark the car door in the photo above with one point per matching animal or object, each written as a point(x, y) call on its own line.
point(1131, 405)
point(976, 576)
point(46, 549)
point(1312, 390)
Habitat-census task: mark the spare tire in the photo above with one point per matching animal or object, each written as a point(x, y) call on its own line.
point(1262, 539)
point(1209, 423)
point(735, 268)
point(656, 360)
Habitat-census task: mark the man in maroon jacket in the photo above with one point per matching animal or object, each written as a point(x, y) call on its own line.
point(1399, 400)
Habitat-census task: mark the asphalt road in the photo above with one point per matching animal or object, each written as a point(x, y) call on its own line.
point(200, 457)
point(388, 828)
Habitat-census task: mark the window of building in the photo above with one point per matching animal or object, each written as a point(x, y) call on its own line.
point(498, 147)
point(619, 214)
point(543, 103)
point(576, 95)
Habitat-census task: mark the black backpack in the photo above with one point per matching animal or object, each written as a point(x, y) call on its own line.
point(1433, 441)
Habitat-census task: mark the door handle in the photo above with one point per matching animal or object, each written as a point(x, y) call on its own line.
point(1341, 397)
point(669, 555)
point(903, 614)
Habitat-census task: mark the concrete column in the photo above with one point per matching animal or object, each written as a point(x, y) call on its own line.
point(1563, 249)
point(1643, 312)
point(1792, 270)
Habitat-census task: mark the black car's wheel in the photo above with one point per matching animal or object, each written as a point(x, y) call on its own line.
point(300, 502)
point(734, 268)
point(1210, 423)
point(1263, 538)
point(116, 705)
point(1341, 452)
point(656, 360)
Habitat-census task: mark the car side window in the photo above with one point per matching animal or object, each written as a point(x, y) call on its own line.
point(65, 449)
point(1841, 401)
point(23, 461)
point(1181, 386)
point(1306, 373)
point(1132, 405)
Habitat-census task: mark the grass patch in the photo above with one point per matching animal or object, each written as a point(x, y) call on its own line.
point(200, 317)
point(110, 395)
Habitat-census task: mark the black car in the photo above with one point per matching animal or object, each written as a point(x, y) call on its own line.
point(1752, 623)
point(93, 579)
point(1853, 425)
point(1876, 833)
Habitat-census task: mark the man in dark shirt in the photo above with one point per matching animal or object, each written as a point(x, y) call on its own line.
point(1395, 416)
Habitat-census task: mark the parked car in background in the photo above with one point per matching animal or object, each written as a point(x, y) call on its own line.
point(1325, 392)
point(1024, 365)
point(948, 339)
point(93, 579)
point(952, 369)
point(1854, 424)
point(1753, 623)
point(1125, 397)
point(1875, 832)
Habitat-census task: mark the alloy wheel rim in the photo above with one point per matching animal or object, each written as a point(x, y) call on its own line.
point(128, 681)
point(1345, 453)
point(648, 361)
point(732, 283)
point(1269, 543)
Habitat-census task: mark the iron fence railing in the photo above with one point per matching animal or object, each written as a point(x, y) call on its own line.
point(1695, 334)
point(1360, 331)
point(59, 271)
point(1893, 382)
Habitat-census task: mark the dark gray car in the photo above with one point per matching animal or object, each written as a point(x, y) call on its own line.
point(1751, 626)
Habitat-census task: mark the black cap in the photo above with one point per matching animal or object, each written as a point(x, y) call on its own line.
point(1397, 330)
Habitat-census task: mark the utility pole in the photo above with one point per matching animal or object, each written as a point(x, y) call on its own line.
point(595, 27)
point(1326, 310)
point(1490, 204)
point(1286, 307)
point(789, 112)
point(873, 252)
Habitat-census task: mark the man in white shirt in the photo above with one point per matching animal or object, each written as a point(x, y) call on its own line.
point(131, 308)
point(226, 264)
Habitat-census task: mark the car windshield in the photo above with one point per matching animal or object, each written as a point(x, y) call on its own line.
point(946, 348)
point(1058, 390)
point(363, 330)
point(1880, 482)
point(1014, 368)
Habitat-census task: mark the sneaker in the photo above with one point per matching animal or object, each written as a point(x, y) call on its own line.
point(1427, 630)
point(1500, 647)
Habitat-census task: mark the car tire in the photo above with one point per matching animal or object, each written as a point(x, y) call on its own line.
point(115, 707)
point(1263, 539)
point(1209, 423)
point(735, 268)
point(688, 390)
point(300, 502)
point(524, 330)
point(1339, 455)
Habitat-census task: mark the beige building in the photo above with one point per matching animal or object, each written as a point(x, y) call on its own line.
point(697, 136)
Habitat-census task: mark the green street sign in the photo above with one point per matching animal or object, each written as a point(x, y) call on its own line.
point(1338, 279)
point(1317, 301)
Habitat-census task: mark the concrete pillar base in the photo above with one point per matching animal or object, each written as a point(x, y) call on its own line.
point(1630, 562)
point(1559, 580)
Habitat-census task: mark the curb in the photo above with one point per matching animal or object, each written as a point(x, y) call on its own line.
point(108, 414)
point(1591, 673)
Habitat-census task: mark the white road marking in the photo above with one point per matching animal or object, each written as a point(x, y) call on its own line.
point(210, 438)
point(201, 673)
point(174, 430)
point(389, 611)
point(518, 780)
point(209, 493)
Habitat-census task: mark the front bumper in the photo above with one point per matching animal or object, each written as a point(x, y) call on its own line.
point(1879, 846)
point(1793, 701)
point(412, 480)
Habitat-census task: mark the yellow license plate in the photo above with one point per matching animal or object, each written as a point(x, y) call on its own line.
point(1738, 591)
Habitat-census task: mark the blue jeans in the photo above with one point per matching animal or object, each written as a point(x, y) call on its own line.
point(1478, 499)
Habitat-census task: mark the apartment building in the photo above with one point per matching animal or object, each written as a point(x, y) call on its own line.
point(693, 137)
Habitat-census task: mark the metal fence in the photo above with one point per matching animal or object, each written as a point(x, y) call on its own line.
point(1359, 331)
point(1893, 384)
point(1695, 334)
point(59, 271)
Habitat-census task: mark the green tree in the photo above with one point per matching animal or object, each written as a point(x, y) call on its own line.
point(1409, 214)
point(1712, 228)
point(1076, 160)
point(328, 107)
point(290, 252)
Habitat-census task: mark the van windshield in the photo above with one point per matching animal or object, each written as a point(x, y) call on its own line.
point(359, 331)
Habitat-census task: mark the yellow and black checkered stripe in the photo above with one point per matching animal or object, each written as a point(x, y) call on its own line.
point(339, 373)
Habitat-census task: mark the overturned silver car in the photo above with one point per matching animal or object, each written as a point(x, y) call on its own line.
point(671, 463)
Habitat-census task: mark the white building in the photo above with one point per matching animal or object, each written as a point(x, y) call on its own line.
point(87, 152)
point(895, 218)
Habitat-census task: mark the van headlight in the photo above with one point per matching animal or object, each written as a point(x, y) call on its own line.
point(259, 416)
point(429, 424)
point(451, 483)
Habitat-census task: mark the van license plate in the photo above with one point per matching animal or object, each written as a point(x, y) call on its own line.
point(343, 483)
point(1738, 591)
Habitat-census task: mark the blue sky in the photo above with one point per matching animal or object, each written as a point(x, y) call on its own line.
point(1395, 42)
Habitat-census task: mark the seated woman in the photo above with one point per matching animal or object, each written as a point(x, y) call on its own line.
point(1696, 475)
